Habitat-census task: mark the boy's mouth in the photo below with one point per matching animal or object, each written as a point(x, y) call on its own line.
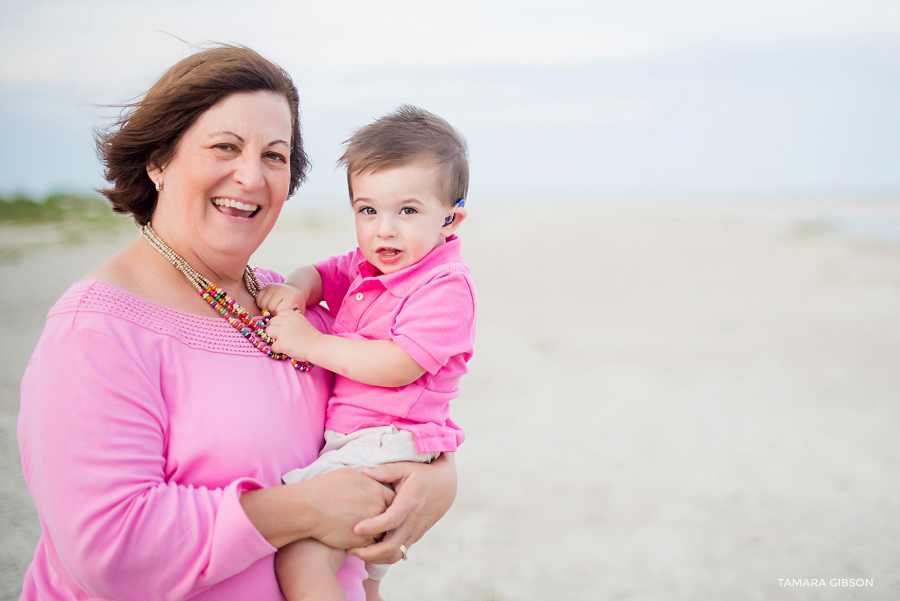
point(388, 255)
point(235, 208)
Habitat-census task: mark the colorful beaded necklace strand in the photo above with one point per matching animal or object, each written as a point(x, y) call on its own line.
point(252, 328)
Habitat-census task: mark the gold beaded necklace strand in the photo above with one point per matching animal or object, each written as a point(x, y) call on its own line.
point(252, 328)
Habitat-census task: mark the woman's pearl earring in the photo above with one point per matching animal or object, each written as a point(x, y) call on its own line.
point(159, 185)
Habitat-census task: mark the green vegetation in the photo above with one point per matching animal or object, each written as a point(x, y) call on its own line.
point(56, 208)
point(28, 225)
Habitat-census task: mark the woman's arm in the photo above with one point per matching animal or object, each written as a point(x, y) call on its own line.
point(424, 494)
point(93, 434)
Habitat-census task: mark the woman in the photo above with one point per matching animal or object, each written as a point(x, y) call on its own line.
point(152, 432)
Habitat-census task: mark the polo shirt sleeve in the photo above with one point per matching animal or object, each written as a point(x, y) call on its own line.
point(437, 321)
point(337, 275)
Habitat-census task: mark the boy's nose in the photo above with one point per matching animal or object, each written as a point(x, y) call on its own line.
point(386, 227)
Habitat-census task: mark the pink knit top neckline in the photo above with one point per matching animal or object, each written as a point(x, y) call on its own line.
point(211, 333)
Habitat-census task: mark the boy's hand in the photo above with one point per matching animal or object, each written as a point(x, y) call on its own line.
point(294, 335)
point(276, 298)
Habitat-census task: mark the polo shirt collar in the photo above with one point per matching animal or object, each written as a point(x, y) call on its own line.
point(402, 281)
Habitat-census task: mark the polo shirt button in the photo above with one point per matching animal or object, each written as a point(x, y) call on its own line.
point(359, 296)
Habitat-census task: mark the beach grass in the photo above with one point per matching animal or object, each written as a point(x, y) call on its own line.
point(54, 208)
point(59, 219)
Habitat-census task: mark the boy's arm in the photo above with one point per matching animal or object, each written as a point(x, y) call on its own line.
point(373, 362)
point(301, 289)
point(307, 280)
point(337, 274)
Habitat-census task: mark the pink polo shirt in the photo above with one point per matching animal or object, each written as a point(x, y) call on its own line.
point(428, 309)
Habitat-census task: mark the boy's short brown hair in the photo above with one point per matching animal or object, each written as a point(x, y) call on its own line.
point(411, 135)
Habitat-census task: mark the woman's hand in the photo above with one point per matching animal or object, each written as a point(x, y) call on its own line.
point(338, 500)
point(325, 508)
point(424, 494)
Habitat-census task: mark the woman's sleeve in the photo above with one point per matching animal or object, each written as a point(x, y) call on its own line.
point(92, 434)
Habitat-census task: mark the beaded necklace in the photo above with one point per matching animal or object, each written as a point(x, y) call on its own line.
point(252, 328)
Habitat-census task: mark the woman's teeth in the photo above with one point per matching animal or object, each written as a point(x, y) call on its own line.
point(234, 204)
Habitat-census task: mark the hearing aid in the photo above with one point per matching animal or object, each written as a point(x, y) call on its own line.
point(459, 204)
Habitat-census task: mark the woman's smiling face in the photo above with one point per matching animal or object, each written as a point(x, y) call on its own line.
point(226, 184)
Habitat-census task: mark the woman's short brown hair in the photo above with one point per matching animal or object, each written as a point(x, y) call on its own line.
point(411, 135)
point(148, 131)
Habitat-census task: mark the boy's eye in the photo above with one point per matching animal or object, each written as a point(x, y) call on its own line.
point(408, 211)
point(367, 211)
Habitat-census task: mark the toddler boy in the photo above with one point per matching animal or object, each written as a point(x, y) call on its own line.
point(404, 323)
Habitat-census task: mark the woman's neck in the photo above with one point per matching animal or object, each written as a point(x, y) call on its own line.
point(223, 268)
point(143, 271)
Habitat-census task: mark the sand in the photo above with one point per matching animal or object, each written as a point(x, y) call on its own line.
point(666, 403)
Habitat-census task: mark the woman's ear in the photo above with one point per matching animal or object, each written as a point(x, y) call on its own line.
point(155, 173)
point(459, 213)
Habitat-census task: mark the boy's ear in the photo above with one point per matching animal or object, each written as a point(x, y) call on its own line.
point(459, 213)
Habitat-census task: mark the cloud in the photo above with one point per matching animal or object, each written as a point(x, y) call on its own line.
point(91, 43)
point(688, 96)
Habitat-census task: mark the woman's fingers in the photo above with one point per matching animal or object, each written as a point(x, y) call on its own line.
point(338, 500)
point(424, 494)
point(387, 550)
point(394, 474)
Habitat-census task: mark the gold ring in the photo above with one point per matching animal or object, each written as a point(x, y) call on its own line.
point(403, 551)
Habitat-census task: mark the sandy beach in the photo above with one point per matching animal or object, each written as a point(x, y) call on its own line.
point(666, 403)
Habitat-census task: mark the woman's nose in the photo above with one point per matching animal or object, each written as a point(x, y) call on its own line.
point(249, 173)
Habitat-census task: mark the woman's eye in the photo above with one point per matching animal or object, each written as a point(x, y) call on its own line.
point(225, 148)
point(275, 156)
point(408, 211)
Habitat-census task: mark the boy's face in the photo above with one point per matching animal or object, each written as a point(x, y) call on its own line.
point(399, 216)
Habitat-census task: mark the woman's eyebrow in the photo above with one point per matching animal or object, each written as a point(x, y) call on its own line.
point(241, 139)
point(226, 132)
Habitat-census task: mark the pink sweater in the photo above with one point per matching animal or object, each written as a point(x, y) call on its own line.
point(139, 428)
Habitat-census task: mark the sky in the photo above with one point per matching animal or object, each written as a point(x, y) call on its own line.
point(570, 100)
